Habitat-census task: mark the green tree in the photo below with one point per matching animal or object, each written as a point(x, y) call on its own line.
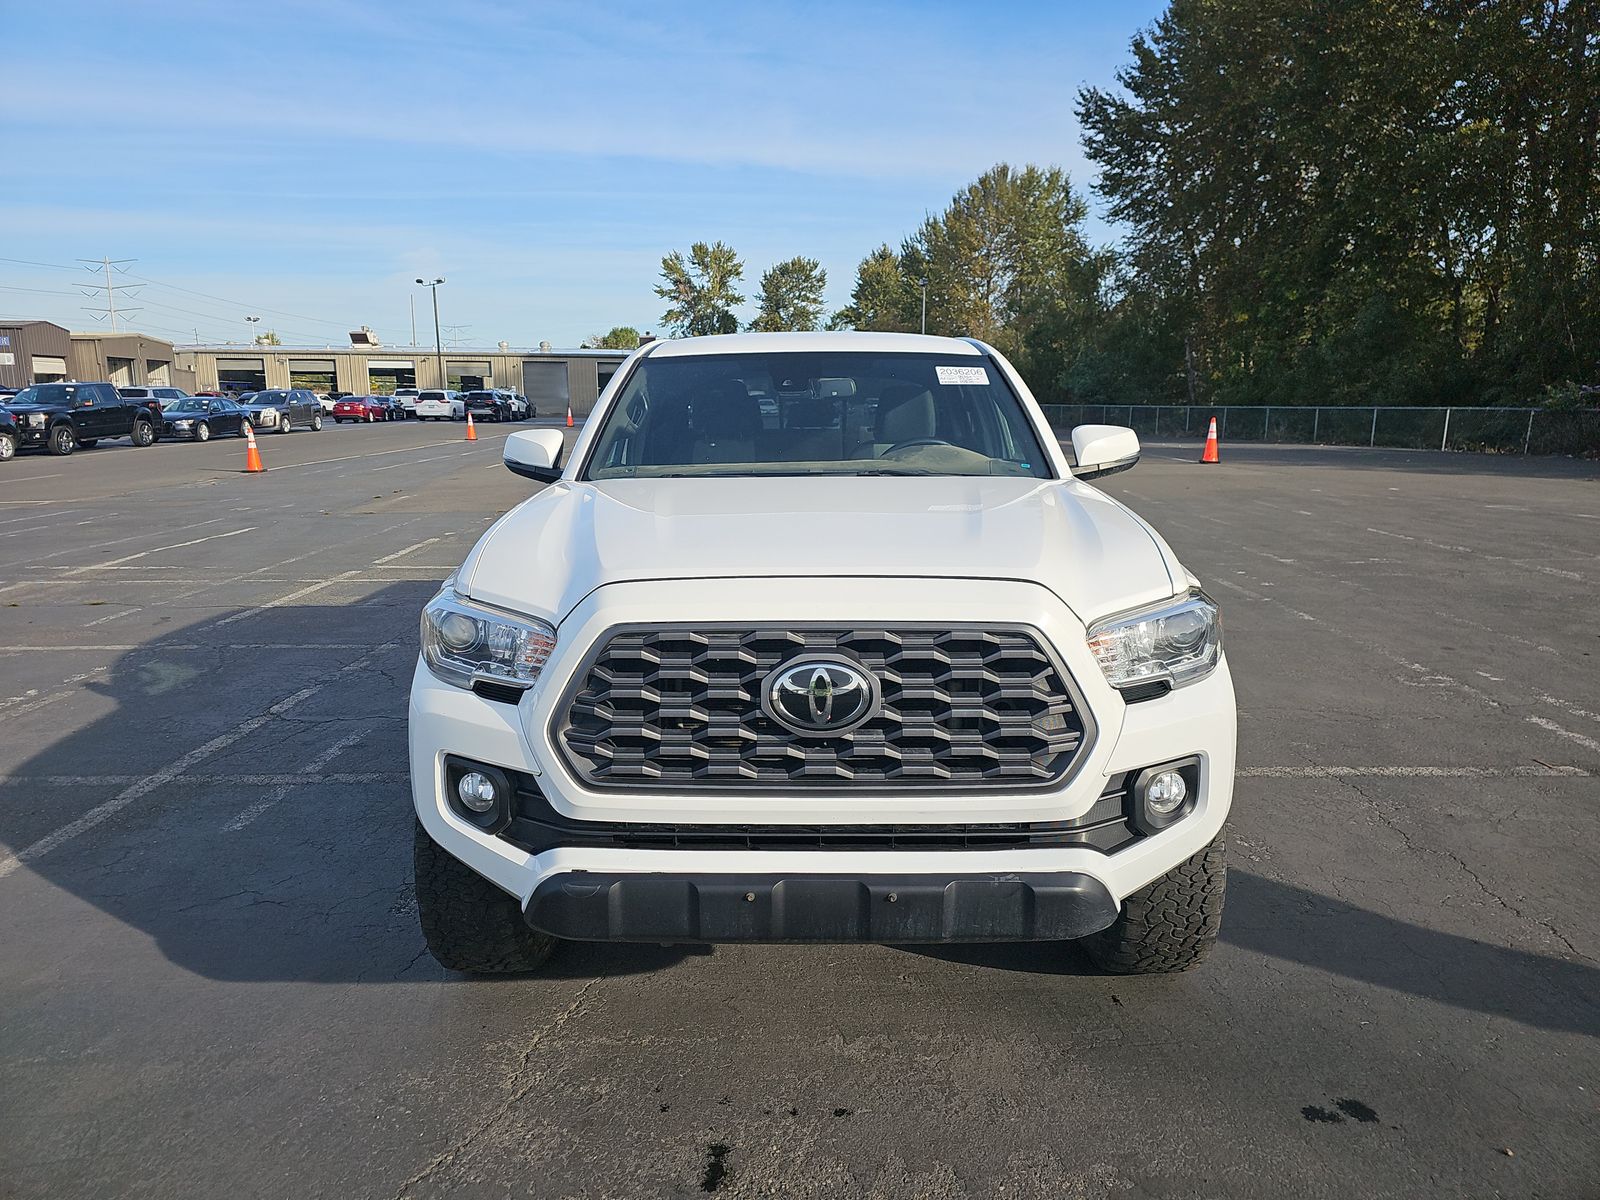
point(269, 338)
point(700, 292)
point(791, 297)
point(1384, 201)
point(884, 298)
point(621, 337)
point(1007, 262)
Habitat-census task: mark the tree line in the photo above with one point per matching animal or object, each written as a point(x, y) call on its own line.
point(1376, 202)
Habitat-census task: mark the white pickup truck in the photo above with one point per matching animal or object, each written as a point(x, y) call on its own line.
point(872, 663)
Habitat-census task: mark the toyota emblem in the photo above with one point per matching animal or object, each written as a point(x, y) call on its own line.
point(821, 695)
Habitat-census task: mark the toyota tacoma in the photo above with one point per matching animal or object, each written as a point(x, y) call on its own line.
point(873, 662)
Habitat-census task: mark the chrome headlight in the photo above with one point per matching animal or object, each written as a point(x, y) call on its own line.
point(37, 420)
point(462, 642)
point(1179, 641)
point(183, 424)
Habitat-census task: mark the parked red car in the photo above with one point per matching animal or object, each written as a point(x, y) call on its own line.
point(359, 408)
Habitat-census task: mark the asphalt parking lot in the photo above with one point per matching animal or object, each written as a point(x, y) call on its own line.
point(212, 982)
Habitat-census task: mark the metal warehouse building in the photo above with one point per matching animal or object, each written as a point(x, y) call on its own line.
point(41, 352)
point(551, 379)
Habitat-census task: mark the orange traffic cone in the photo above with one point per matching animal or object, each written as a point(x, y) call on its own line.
point(252, 456)
point(472, 434)
point(1210, 454)
point(569, 416)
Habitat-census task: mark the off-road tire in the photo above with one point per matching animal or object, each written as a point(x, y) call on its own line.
point(1168, 925)
point(469, 924)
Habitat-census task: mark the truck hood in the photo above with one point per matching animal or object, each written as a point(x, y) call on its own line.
point(546, 554)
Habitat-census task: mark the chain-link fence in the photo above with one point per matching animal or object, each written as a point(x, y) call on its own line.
point(1491, 430)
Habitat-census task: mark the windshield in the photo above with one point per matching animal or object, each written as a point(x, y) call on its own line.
point(845, 413)
point(269, 397)
point(188, 404)
point(46, 393)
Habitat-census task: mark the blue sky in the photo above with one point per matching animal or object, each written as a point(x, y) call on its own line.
point(307, 161)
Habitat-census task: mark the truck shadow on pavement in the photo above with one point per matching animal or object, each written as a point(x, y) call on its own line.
point(244, 804)
point(1293, 924)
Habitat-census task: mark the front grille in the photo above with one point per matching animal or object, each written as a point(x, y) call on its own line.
point(664, 707)
point(537, 827)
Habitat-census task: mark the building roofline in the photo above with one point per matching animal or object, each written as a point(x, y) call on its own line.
point(245, 350)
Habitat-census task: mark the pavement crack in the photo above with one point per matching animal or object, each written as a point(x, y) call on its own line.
point(1438, 851)
point(445, 1157)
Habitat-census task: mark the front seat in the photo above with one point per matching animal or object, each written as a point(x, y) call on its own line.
point(905, 414)
point(726, 421)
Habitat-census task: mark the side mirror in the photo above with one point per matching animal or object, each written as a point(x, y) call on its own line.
point(1103, 450)
point(536, 454)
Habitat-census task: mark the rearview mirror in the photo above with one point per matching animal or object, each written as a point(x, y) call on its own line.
point(536, 454)
point(1103, 450)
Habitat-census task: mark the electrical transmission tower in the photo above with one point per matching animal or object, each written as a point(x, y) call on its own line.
point(109, 287)
point(453, 334)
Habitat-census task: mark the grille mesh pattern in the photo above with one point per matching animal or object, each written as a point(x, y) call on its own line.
point(960, 707)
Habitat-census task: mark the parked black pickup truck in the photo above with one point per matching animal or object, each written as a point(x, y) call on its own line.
point(64, 416)
point(10, 435)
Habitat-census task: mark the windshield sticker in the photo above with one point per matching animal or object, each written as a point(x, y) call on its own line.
point(963, 376)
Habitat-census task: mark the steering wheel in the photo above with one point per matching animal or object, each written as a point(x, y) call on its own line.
point(915, 442)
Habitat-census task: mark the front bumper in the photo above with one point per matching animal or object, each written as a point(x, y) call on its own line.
point(890, 908)
point(1196, 721)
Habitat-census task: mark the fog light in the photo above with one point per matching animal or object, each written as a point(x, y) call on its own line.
point(477, 791)
point(1165, 793)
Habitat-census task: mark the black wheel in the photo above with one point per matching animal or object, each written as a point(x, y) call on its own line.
point(1168, 925)
point(469, 924)
point(144, 434)
point(62, 440)
point(88, 443)
point(8, 447)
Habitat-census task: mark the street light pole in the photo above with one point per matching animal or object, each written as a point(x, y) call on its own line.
point(924, 282)
point(251, 322)
point(438, 340)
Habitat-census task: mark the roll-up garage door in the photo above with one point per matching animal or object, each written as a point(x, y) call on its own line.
point(545, 386)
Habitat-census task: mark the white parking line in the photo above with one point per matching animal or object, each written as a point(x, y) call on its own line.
point(158, 549)
point(313, 767)
point(34, 560)
point(127, 612)
point(298, 780)
point(375, 454)
point(378, 562)
point(1588, 743)
point(282, 600)
point(175, 769)
point(416, 462)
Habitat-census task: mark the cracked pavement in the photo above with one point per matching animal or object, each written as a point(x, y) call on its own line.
point(212, 981)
